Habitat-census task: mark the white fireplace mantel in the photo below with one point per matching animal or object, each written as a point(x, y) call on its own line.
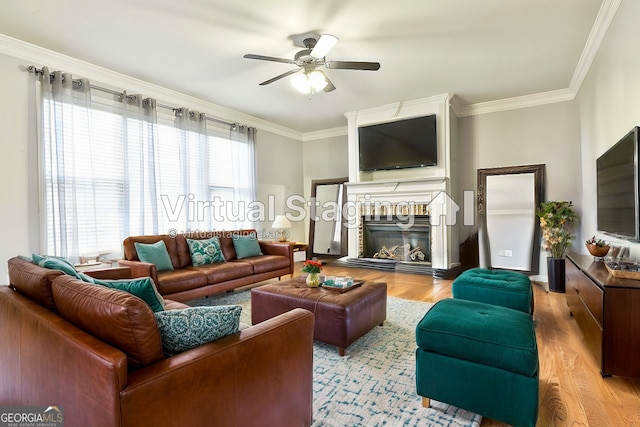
point(428, 185)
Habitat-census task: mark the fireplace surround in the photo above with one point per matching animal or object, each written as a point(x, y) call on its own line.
point(426, 191)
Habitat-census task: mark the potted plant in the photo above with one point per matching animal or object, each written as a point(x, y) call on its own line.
point(313, 268)
point(556, 222)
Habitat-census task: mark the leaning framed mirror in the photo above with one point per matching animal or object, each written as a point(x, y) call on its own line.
point(327, 233)
point(508, 229)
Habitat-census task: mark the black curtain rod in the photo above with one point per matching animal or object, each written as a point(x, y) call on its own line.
point(33, 69)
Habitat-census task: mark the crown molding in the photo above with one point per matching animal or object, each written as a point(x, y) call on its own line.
point(324, 134)
point(40, 56)
point(601, 25)
point(514, 103)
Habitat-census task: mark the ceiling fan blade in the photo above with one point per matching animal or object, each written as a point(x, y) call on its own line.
point(352, 65)
point(329, 87)
point(269, 58)
point(323, 46)
point(281, 76)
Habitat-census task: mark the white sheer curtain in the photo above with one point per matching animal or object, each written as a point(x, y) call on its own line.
point(111, 169)
point(140, 157)
point(67, 162)
point(193, 146)
point(244, 170)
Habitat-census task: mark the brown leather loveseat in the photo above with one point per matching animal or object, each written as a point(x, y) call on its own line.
point(187, 282)
point(95, 352)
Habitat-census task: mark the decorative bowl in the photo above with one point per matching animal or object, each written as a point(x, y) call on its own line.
point(597, 251)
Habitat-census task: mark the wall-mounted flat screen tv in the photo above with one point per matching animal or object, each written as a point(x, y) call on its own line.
point(618, 185)
point(401, 144)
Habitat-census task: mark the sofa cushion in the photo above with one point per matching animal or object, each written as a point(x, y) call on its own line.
point(266, 263)
point(142, 287)
point(33, 281)
point(184, 329)
point(180, 280)
point(205, 251)
point(154, 253)
point(116, 317)
point(223, 272)
point(246, 246)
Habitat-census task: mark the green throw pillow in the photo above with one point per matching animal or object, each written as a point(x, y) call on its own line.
point(56, 263)
point(183, 329)
point(154, 253)
point(142, 287)
point(246, 246)
point(205, 251)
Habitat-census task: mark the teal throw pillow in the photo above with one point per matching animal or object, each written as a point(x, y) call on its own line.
point(142, 287)
point(183, 329)
point(206, 251)
point(154, 253)
point(246, 246)
point(56, 263)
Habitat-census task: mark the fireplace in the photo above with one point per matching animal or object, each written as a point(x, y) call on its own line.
point(397, 239)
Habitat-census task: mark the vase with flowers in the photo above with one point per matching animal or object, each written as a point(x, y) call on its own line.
point(556, 222)
point(313, 269)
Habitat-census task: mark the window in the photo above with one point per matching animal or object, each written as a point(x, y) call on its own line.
point(108, 174)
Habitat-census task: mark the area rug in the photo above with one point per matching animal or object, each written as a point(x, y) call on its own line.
point(374, 383)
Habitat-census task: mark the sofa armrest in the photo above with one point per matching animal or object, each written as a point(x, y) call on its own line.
point(43, 358)
point(110, 273)
point(261, 375)
point(140, 269)
point(277, 248)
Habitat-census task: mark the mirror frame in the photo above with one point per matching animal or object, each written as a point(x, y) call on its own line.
point(312, 223)
point(538, 194)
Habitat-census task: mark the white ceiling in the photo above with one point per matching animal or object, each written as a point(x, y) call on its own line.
point(479, 50)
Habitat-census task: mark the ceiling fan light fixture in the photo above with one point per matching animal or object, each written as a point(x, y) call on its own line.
point(324, 45)
point(317, 80)
point(309, 82)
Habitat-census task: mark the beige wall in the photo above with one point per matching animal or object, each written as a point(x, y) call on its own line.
point(19, 217)
point(609, 104)
point(323, 158)
point(279, 175)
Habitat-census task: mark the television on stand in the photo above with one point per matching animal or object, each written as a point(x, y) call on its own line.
point(407, 143)
point(618, 187)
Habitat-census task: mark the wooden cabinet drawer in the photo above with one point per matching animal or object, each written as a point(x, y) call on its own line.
point(592, 296)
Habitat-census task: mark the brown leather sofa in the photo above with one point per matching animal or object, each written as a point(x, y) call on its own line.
point(187, 282)
point(62, 345)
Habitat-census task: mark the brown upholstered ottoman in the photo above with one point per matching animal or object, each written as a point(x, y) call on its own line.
point(340, 318)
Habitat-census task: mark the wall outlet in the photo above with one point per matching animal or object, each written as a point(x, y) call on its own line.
point(508, 252)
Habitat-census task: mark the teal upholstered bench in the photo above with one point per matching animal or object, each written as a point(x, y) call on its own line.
point(479, 357)
point(498, 287)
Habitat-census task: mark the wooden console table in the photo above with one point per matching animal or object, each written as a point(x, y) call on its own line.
point(606, 310)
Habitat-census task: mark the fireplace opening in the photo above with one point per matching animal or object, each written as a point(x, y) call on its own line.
point(383, 238)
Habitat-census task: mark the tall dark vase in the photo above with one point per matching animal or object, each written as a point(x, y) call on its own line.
point(555, 273)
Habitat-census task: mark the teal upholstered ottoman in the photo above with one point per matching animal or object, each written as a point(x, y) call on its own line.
point(499, 287)
point(479, 357)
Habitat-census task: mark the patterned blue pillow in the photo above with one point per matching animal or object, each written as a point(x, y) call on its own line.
point(206, 251)
point(181, 330)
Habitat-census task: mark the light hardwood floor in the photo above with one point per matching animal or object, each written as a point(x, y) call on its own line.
point(572, 392)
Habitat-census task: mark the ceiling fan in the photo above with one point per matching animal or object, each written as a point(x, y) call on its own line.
point(308, 78)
